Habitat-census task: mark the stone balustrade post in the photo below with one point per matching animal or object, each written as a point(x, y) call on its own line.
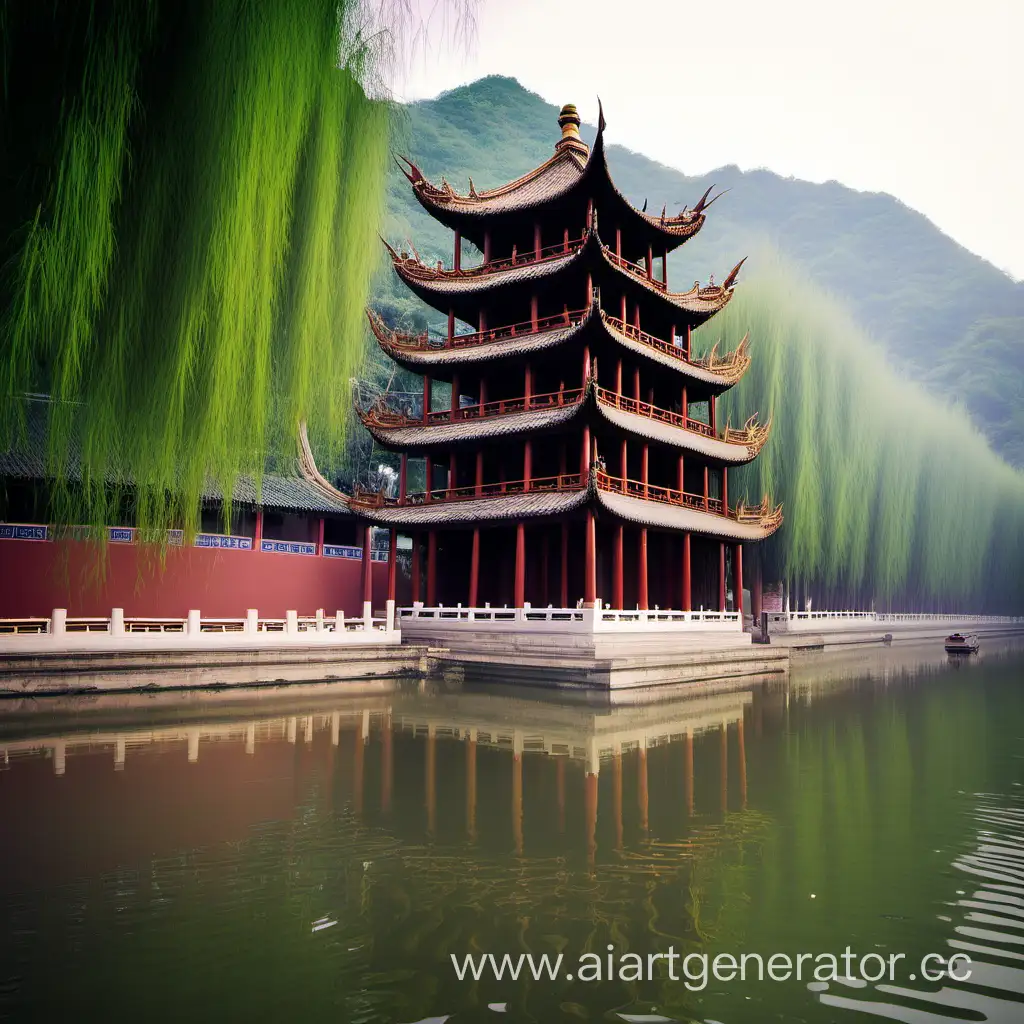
point(291, 622)
point(117, 622)
point(390, 613)
point(339, 622)
point(252, 621)
point(59, 622)
point(193, 623)
point(367, 616)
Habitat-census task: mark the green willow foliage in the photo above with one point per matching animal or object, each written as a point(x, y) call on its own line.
point(889, 495)
point(192, 192)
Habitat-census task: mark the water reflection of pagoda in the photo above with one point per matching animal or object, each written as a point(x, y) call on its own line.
point(580, 455)
point(392, 744)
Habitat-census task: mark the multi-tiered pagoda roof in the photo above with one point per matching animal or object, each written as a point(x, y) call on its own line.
point(576, 403)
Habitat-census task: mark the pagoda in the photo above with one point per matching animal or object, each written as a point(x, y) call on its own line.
point(580, 460)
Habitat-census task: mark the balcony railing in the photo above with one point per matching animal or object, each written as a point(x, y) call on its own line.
point(666, 495)
point(731, 366)
point(382, 416)
point(423, 342)
point(562, 482)
point(636, 269)
point(674, 419)
point(417, 268)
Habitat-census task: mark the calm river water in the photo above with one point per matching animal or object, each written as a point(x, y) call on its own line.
point(318, 857)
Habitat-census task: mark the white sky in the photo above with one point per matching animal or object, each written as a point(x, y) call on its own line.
point(922, 99)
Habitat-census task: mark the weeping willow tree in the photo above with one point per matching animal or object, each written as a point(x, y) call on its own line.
point(890, 495)
point(191, 191)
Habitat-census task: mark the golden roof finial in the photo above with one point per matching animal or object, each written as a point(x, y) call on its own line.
point(569, 122)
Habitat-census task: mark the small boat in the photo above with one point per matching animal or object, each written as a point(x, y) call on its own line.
point(961, 643)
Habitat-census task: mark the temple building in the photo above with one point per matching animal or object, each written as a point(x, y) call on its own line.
point(580, 460)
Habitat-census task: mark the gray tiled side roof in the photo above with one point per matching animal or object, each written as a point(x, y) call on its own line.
point(25, 459)
point(419, 436)
point(506, 507)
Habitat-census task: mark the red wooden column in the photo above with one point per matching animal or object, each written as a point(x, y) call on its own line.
point(474, 571)
point(737, 578)
point(527, 463)
point(705, 488)
point(452, 477)
point(585, 452)
point(393, 565)
point(590, 575)
point(257, 541)
point(687, 601)
point(426, 400)
point(536, 239)
point(534, 313)
point(721, 576)
point(458, 249)
point(725, 491)
point(664, 276)
point(618, 242)
point(650, 263)
point(428, 476)
point(563, 595)
point(618, 379)
point(367, 565)
point(455, 397)
point(644, 466)
point(416, 575)
point(636, 383)
point(520, 584)
point(685, 406)
point(431, 568)
point(527, 385)
point(617, 591)
point(713, 414)
point(681, 478)
point(479, 480)
point(624, 460)
point(320, 536)
point(451, 323)
point(403, 478)
point(487, 247)
point(642, 599)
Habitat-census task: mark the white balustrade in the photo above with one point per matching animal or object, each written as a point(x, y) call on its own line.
point(585, 620)
point(117, 634)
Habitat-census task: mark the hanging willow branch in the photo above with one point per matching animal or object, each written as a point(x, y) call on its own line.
point(889, 494)
point(191, 196)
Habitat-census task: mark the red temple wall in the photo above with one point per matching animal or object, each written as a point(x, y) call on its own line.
point(38, 576)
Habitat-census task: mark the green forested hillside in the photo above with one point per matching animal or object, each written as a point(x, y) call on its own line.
point(943, 316)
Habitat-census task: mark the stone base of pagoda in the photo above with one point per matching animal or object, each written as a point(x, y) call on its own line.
point(591, 647)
